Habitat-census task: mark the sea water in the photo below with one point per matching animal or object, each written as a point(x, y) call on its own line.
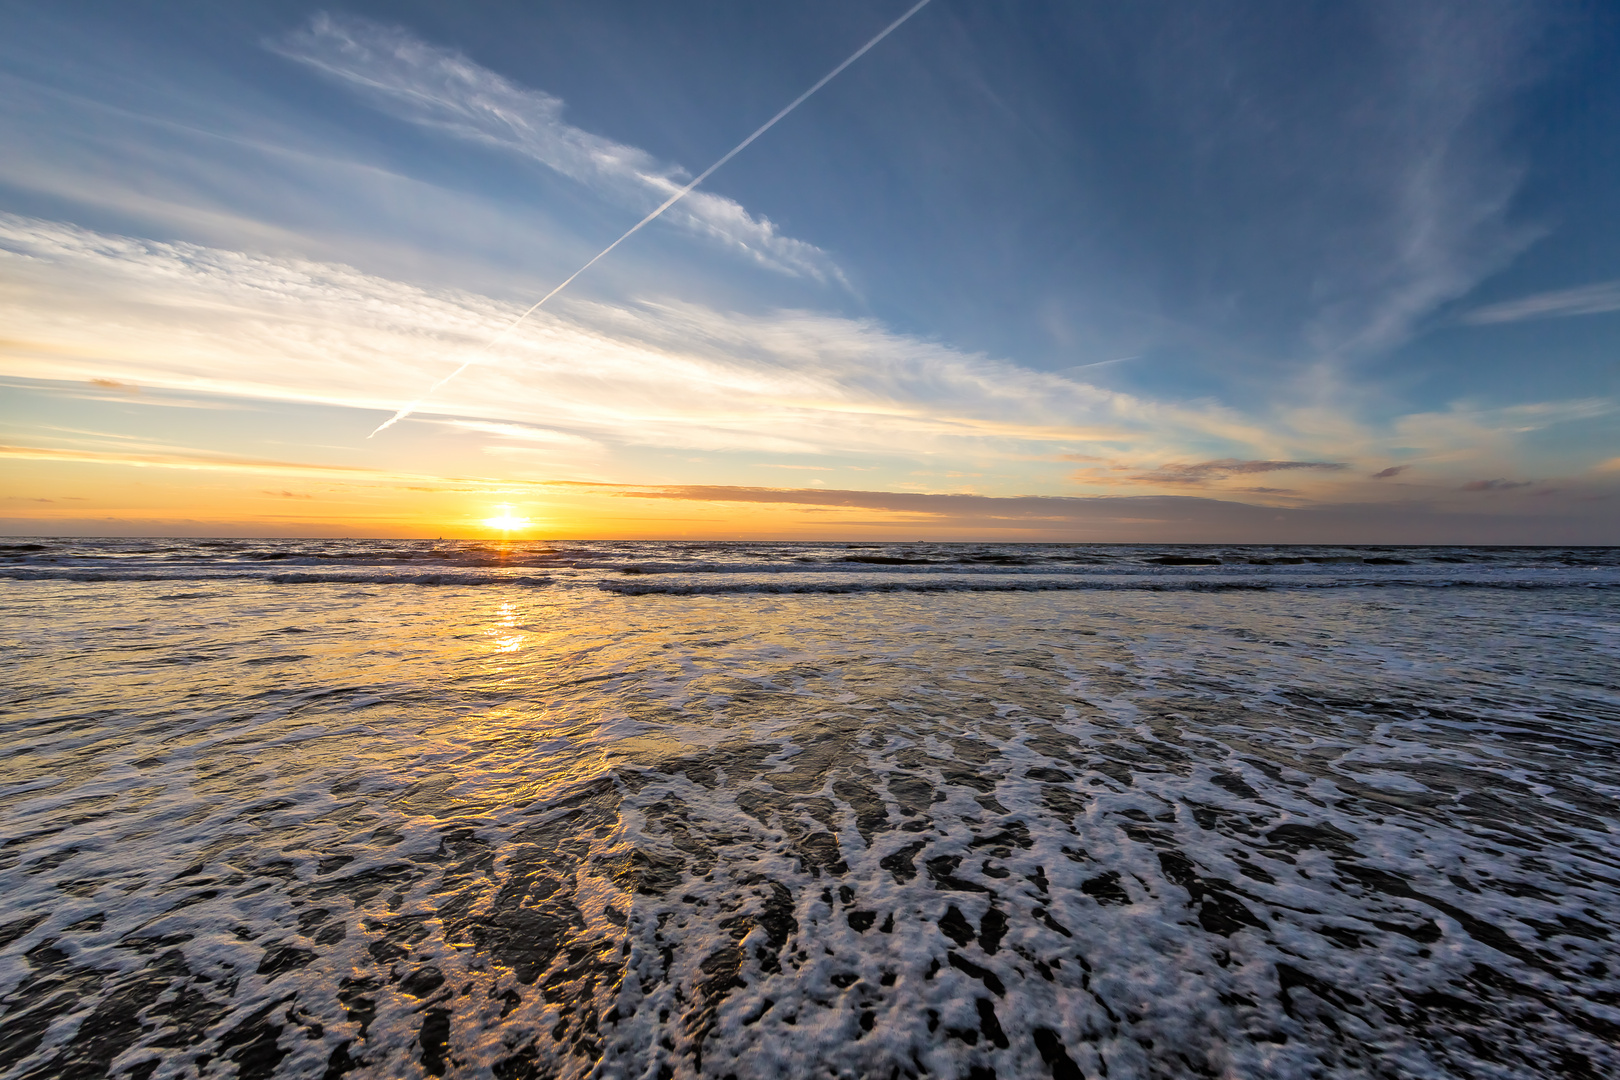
point(401, 809)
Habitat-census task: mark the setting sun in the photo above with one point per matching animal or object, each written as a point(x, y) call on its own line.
point(505, 522)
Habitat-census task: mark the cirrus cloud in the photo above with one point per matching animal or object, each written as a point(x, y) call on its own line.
point(1604, 296)
point(442, 89)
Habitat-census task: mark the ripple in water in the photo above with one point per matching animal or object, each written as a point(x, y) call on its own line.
point(356, 830)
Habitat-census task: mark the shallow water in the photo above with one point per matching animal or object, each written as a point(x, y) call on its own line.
point(532, 823)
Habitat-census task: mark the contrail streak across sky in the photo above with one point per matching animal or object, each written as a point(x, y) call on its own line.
point(406, 410)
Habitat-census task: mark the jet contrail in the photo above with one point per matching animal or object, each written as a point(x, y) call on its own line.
point(669, 202)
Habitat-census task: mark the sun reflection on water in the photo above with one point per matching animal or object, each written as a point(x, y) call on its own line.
point(507, 635)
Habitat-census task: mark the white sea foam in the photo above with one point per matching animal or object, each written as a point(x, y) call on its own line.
point(267, 831)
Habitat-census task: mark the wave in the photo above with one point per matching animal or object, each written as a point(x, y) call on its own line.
point(1157, 567)
point(404, 579)
point(936, 585)
point(728, 581)
point(680, 568)
point(300, 578)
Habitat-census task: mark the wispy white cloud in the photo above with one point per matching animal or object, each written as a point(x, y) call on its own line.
point(194, 461)
point(188, 317)
point(590, 380)
point(1464, 430)
point(1435, 173)
point(442, 89)
point(1596, 299)
point(522, 433)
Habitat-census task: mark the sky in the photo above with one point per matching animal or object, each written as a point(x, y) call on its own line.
point(1274, 272)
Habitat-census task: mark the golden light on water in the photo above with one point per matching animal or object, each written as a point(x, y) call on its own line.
point(505, 521)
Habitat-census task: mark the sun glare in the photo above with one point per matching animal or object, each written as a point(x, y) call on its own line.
point(505, 522)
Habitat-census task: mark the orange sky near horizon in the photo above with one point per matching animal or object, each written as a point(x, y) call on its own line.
point(137, 493)
point(74, 497)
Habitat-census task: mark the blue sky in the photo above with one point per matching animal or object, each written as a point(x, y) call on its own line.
point(1315, 263)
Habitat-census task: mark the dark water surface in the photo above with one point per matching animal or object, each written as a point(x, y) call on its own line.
point(272, 808)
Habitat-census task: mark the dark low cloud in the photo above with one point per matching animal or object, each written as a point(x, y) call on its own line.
point(1393, 470)
point(1495, 485)
point(1586, 518)
point(1157, 518)
point(1199, 472)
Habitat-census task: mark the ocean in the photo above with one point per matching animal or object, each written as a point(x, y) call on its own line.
point(322, 808)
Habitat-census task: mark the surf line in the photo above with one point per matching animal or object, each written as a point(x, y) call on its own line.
point(408, 409)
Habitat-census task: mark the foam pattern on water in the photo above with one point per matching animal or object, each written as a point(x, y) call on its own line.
point(350, 830)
